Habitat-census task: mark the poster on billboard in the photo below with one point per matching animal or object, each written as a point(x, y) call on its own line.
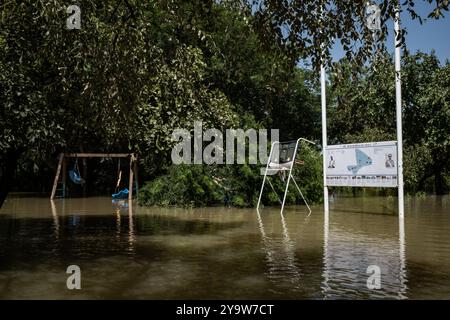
point(372, 164)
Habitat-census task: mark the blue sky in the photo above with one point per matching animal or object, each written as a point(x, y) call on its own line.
point(432, 34)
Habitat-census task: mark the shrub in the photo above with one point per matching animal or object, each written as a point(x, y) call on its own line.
point(231, 185)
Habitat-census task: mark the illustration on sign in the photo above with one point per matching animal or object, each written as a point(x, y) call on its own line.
point(362, 160)
point(332, 163)
point(389, 162)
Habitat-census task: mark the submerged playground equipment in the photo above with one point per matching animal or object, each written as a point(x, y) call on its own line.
point(282, 158)
point(60, 181)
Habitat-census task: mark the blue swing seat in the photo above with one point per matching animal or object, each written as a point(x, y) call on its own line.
point(75, 177)
point(122, 194)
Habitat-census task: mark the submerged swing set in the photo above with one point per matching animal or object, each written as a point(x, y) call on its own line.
point(76, 177)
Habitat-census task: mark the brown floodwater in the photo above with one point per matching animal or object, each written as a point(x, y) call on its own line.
point(224, 253)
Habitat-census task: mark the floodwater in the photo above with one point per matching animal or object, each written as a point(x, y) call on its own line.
point(221, 253)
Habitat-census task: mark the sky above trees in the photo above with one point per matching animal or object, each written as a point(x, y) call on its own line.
point(431, 35)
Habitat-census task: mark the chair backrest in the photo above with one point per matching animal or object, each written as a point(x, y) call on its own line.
point(284, 153)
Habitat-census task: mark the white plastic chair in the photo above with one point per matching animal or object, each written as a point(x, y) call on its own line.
point(282, 160)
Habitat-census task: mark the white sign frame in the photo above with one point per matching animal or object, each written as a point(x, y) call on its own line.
point(372, 164)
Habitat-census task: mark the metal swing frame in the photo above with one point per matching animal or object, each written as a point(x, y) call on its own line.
point(60, 176)
point(272, 171)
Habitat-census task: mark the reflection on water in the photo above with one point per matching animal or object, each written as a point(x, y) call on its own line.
point(283, 270)
point(347, 256)
point(352, 244)
point(127, 251)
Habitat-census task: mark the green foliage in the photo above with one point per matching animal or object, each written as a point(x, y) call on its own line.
point(175, 97)
point(364, 110)
point(308, 29)
point(421, 195)
point(183, 184)
point(230, 185)
point(122, 82)
point(417, 158)
point(139, 69)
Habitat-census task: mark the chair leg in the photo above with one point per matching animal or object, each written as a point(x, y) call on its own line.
point(285, 192)
point(265, 174)
point(298, 188)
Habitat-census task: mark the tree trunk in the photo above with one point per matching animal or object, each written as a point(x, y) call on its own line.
point(439, 183)
point(8, 164)
point(438, 169)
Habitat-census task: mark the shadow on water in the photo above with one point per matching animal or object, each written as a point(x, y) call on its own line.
point(127, 251)
point(24, 240)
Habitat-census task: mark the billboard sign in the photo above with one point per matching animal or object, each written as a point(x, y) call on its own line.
point(372, 164)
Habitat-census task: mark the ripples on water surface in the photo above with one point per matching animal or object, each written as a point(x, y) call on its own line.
point(224, 253)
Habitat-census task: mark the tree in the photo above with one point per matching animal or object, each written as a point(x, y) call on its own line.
point(107, 86)
point(139, 68)
point(435, 107)
point(363, 110)
point(307, 29)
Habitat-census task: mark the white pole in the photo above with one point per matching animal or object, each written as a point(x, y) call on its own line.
point(326, 259)
point(402, 251)
point(398, 100)
point(401, 204)
point(324, 136)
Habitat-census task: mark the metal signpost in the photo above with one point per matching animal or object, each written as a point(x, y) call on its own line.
point(375, 164)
